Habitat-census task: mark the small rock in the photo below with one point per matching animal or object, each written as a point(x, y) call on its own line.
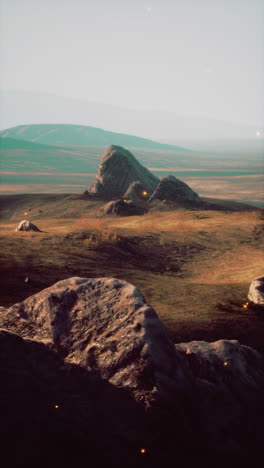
point(26, 225)
point(256, 291)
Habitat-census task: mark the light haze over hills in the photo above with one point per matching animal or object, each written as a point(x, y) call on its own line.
point(73, 135)
point(25, 107)
point(202, 59)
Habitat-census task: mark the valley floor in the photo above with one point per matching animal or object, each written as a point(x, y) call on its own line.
point(193, 267)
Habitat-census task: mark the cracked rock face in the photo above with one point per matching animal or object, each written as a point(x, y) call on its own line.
point(117, 170)
point(26, 225)
point(172, 189)
point(256, 291)
point(103, 325)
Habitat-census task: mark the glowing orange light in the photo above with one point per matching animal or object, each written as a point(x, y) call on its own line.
point(225, 363)
point(245, 306)
point(56, 406)
point(25, 213)
point(125, 200)
point(143, 451)
point(144, 193)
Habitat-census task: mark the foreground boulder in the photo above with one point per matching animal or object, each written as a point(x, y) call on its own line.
point(207, 396)
point(172, 189)
point(26, 225)
point(117, 170)
point(103, 325)
point(123, 208)
point(256, 291)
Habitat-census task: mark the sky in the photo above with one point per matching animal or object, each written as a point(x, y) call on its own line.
point(192, 57)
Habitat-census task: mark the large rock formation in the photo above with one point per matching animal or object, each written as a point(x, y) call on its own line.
point(256, 291)
point(208, 396)
point(123, 208)
point(117, 170)
point(26, 225)
point(172, 189)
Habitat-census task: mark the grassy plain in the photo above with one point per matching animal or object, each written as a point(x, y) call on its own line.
point(193, 267)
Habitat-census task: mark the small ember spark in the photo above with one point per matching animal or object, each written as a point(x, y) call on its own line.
point(143, 451)
point(226, 363)
point(144, 193)
point(56, 406)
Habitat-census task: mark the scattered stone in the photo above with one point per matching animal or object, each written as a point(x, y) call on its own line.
point(256, 291)
point(123, 208)
point(117, 170)
point(26, 225)
point(172, 189)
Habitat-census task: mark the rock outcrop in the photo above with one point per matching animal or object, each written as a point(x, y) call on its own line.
point(136, 192)
point(26, 225)
point(256, 291)
point(172, 189)
point(117, 170)
point(123, 208)
point(208, 396)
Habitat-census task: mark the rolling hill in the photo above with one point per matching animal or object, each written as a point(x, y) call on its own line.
point(79, 135)
point(7, 143)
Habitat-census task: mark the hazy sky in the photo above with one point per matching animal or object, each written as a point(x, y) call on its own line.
point(193, 57)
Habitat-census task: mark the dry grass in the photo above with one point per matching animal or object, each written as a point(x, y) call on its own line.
point(193, 267)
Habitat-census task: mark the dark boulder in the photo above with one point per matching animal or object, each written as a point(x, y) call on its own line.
point(117, 170)
point(136, 192)
point(172, 189)
point(123, 208)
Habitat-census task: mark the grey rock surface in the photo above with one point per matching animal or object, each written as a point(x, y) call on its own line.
point(118, 169)
point(26, 225)
point(123, 208)
point(172, 189)
point(105, 325)
point(256, 291)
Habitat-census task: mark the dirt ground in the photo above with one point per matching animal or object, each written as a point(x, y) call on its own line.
point(193, 267)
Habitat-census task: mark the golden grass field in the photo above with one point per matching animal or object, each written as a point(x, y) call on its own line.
point(193, 267)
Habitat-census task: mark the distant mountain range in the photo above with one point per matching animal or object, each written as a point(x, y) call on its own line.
point(72, 135)
point(20, 107)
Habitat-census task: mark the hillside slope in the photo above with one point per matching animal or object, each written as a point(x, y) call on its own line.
point(7, 143)
point(79, 135)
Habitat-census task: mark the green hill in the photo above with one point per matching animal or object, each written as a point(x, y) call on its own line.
point(79, 135)
point(7, 143)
